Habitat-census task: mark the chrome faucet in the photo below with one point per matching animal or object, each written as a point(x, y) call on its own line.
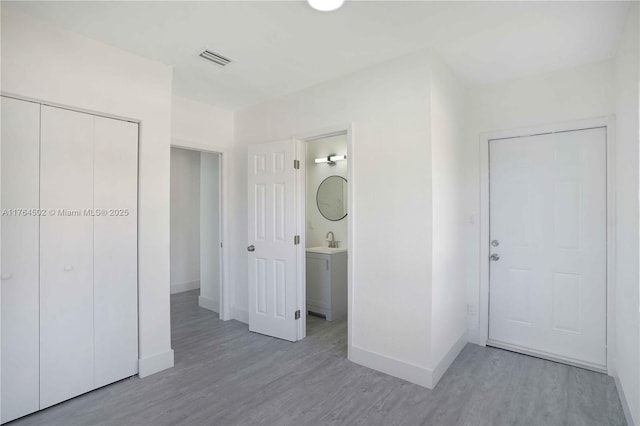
point(332, 242)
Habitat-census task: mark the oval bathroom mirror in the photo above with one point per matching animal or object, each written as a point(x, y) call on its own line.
point(332, 198)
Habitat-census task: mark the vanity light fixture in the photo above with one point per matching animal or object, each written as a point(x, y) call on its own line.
point(331, 159)
point(325, 5)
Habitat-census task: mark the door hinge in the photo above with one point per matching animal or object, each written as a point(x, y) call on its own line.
point(296, 164)
point(297, 314)
point(296, 240)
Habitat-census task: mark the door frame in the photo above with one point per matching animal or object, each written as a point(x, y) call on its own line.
point(224, 292)
point(301, 139)
point(485, 138)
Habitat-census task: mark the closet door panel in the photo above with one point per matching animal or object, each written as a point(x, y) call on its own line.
point(66, 256)
point(20, 241)
point(115, 255)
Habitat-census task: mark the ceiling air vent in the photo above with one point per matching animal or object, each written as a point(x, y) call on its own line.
point(215, 58)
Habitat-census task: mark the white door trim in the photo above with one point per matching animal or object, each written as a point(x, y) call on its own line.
point(301, 138)
point(608, 123)
point(225, 292)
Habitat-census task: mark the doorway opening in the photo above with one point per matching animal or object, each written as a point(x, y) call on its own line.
point(281, 235)
point(326, 233)
point(195, 223)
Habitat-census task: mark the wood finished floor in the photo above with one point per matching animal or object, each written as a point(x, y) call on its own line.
point(225, 375)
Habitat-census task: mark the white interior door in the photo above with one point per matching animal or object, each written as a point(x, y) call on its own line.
point(272, 251)
point(548, 226)
point(115, 236)
point(66, 256)
point(20, 244)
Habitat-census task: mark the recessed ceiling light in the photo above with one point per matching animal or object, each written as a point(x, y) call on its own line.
point(325, 5)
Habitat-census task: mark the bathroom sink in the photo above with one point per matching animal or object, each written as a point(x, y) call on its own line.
point(325, 250)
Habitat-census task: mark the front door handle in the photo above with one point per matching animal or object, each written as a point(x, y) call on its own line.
point(251, 248)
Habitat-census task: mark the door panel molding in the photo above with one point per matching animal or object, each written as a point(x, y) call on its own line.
point(272, 231)
point(484, 249)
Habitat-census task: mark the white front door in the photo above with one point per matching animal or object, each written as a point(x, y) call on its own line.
point(548, 204)
point(271, 247)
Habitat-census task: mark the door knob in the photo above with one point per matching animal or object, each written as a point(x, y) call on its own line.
point(495, 243)
point(251, 248)
point(495, 257)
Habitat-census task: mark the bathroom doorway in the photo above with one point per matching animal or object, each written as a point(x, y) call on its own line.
point(326, 231)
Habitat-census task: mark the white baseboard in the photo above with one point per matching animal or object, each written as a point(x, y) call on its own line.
point(448, 359)
point(179, 288)
point(210, 304)
point(155, 364)
point(240, 315)
point(394, 367)
point(473, 337)
point(422, 376)
point(624, 402)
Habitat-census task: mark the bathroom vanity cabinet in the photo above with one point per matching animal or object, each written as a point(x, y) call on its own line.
point(327, 282)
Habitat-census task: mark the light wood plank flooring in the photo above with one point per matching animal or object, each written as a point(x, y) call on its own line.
point(225, 375)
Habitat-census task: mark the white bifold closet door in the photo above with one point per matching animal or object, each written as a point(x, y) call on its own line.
point(69, 254)
point(115, 245)
point(88, 269)
point(66, 255)
point(20, 302)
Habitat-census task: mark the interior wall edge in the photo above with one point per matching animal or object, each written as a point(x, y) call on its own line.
point(624, 402)
point(155, 364)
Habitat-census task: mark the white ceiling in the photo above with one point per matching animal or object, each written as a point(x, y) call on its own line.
point(282, 46)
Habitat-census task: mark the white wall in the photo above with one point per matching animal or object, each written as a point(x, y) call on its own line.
point(566, 95)
point(200, 125)
point(390, 110)
point(185, 220)
point(209, 232)
point(318, 225)
point(627, 89)
point(450, 214)
point(54, 65)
